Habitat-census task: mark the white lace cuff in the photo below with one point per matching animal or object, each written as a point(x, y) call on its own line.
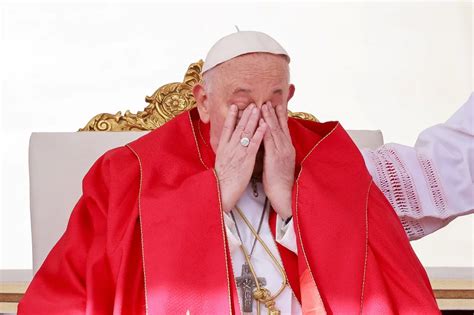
point(430, 184)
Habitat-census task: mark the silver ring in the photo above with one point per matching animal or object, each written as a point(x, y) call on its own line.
point(245, 141)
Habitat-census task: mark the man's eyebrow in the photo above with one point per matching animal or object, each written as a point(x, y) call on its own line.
point(241, 90)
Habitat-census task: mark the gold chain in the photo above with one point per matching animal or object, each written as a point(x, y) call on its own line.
point(262, 295)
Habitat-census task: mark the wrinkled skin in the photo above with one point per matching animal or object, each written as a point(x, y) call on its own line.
point(247, 96)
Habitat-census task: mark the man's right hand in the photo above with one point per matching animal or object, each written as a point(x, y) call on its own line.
point(235, 162)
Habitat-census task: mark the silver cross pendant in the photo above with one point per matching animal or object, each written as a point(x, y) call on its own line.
point(247, 284)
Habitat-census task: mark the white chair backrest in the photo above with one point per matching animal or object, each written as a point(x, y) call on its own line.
point(59, 161)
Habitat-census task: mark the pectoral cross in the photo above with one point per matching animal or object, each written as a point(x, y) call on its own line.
point(246, 283)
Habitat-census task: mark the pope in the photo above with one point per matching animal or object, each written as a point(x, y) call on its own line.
point(232, 207)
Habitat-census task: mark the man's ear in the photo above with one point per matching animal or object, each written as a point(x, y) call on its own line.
point(291, 92)
point(202, 104)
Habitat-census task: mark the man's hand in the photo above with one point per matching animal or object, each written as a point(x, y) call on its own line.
point(234, 162)
point(279, 160)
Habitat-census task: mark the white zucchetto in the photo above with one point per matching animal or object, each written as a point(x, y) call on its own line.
point(241, 43)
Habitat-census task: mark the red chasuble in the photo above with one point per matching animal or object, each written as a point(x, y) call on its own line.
point(147, 235)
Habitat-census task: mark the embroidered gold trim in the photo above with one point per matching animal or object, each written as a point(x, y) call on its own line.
point(301, 241)
point(296, 203)
point(366, 245)
point(141, 226)
point(314, 147)
point(200, 134)
point(220, 212)
point(196, 141)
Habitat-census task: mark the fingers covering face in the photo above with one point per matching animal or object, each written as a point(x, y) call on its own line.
point(282, 114)
point(278, 125)
point(250, 125)
point(229, 124)
point(257, 137)
point(247, 124)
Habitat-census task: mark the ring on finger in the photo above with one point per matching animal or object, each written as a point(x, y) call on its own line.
point(244, 141)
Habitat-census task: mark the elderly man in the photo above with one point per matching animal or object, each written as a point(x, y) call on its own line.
point(234, 208)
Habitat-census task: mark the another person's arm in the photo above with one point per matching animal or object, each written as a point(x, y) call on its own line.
point(431, 183)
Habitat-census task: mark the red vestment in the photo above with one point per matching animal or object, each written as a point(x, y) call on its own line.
point(148, 233)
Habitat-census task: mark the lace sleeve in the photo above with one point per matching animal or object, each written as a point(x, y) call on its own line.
point(429, 184)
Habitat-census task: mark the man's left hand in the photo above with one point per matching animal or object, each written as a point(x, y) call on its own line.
point(279, 160)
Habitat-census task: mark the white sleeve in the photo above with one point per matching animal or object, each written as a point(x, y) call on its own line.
point(431, 183)
point(285, 234)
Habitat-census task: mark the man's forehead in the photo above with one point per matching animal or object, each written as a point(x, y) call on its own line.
point(240, 78)
point(241, 82)
point(257, 62)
